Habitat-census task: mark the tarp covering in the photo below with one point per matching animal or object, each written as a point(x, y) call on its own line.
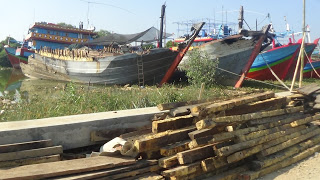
point(149, 35)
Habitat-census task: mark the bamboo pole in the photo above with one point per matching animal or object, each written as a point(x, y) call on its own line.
point(300, 53)
point(303, 43)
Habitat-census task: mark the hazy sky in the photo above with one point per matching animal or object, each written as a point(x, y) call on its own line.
point(131, 16)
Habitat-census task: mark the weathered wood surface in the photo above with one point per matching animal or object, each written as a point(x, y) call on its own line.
point(167, 162)
point(31, 153)
point(25, 146)
point(268, 104)
point(27, 161)
point(309, 89)
point(54, 169)
point(108, 172)
point(146, 176)
point(181, 111)
point(206, 132)
point(281, 155)
point(156, 141)
point(267, 120)
point(183, 170)
point(174, 148)
point(289, 143)
point(279, 165)
point(213, 163)
point(211, 123)
point(230, 174)
point(305, 120)
point(204, 110)
point(192, 155)
point(172, 123)
point(168, 106)
point(136, 134)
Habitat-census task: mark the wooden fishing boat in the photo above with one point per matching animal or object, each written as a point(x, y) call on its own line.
point(310, 68)
point(108, 66)
point(17, 56)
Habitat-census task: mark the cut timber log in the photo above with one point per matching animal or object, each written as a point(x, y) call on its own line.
point(167, 162)
point(183, 170)
point(172, 123)
point(227, 150)
point(211, 123)
point(267, 120)
point(54, 169)
point(137, 134)
point(108, 172)
point(286, 153)
point(204, 111)
point(174, 148)
point(31, 153)
point(27, 161)
point(206, 132)
point(268, 104)
point(146, 176)
point(169, 106)
point(277, 166)
point(255, 149)
point(289, 143)
point(230, 174)
point(213, 163)
point(192, 155)
point(156, 141)
point(309, 89)
point(25, 146)
point(306, 120)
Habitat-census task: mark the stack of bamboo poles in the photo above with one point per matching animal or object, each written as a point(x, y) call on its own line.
point(245, 137)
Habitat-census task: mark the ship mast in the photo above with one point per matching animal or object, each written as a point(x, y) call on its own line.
point(300, 61)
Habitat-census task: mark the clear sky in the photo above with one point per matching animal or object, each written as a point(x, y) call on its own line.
point(132, 16)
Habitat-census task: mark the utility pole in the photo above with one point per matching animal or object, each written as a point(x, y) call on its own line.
point(163, 10)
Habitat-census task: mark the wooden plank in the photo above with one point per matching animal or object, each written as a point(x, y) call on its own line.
point(133, 173)
point(289, 143)
point(25, 146)
point(276, 119)
point(237, 156)
point(167, 162)
point(206, 132)
point(192, 155)
point(146, 176)
point(305, 121)
point(54, 169)
point(27, 161)
point(268, 104)
point(317, 100)
point(309, 89)
point(108, 172)
point(286, 153)
point(174, 148)
point(156, 141)
point(138, 133)
point(211, 123)
point(183, 170)
point(206, 110)
point(31, 153)
point(172, 123)
point(230, 174)
point(213, 163)
point(181, 111)
point(279, 165)
point(168, 106)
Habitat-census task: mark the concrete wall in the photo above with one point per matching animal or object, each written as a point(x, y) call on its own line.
point(74, 131)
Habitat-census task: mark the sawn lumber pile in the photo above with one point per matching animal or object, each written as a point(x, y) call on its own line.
point(242, 138)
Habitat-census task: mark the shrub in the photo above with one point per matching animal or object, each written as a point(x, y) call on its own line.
point(199, 68)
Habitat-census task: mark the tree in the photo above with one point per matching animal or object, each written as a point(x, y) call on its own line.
point(101, 33)
point(170, 44)
point(65, 25)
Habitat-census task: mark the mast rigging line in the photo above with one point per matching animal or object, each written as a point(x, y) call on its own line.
point(105, 4)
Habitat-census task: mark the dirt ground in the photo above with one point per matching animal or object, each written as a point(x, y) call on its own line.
point(308, 169)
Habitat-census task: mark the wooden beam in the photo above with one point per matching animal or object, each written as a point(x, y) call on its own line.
point(289, 143)
point(192, 155)
point(168, 106)
point(172, 123)
point(267, 120)
point(268, 104)
point(146, 176)
point(27, 161)
point(25, 146)
point(168, 162)
point(132, 173)
point(54, 169)
point(309, 89)
point(282, 164)
point(156, 141)
point(203, 111)
point(206, 132)
point(183, 170)
point(31, 153)
point(280, 156)
point(174, 148)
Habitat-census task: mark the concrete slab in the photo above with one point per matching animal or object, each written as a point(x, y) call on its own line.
point(74, 131)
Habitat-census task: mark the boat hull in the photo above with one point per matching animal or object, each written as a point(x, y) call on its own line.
point(14, 59)
point(232, 55)
point(308, 71)
point(120, 70)
point(279, 60)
